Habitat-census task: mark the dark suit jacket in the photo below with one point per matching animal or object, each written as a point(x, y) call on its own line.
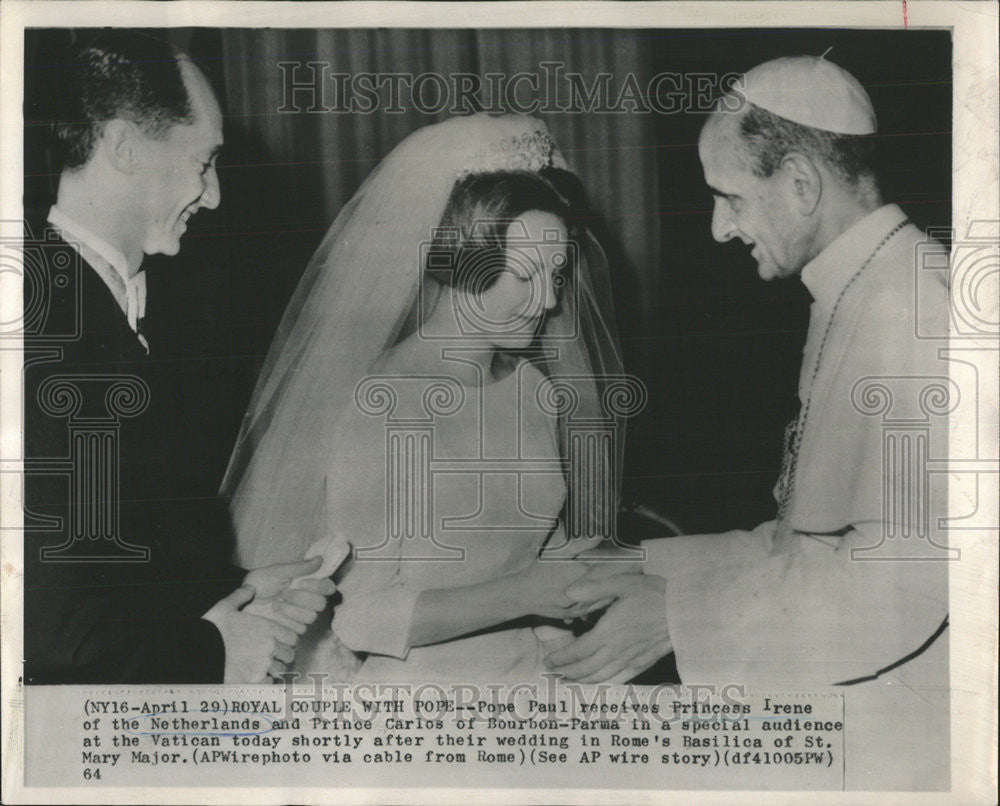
point(112, 620)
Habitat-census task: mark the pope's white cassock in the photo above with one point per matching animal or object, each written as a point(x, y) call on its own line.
point(849, 581)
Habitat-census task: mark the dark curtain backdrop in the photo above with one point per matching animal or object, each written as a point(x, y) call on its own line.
point(326, 156)
point(718, 348)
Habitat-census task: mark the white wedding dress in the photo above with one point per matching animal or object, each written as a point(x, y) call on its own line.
point(310, 465)
point(497, 488)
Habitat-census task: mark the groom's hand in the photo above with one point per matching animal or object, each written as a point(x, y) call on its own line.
point(256, 647)
point(286, 594)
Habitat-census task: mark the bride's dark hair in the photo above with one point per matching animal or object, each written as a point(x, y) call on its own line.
point(468, 248)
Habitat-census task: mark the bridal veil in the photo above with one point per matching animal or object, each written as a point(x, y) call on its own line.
point(362, 288)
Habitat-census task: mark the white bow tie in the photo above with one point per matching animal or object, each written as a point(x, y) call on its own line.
point(130, 293)
point(135, 300)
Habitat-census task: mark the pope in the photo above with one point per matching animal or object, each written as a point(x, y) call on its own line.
point(844, 587)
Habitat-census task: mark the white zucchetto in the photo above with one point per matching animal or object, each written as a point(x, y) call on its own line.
point(811, 91)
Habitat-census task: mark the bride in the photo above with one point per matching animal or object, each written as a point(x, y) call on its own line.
point(413, 409)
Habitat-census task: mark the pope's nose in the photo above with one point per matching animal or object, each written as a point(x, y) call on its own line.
point(723, 226)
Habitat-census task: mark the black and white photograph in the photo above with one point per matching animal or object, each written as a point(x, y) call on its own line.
point(528, 402)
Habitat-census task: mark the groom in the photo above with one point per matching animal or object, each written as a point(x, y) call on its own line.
point(135, 592)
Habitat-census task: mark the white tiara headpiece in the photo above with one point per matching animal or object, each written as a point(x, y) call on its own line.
point(529, 151)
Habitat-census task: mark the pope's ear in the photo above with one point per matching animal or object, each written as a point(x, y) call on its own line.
point(805, 181)
point(122, 145)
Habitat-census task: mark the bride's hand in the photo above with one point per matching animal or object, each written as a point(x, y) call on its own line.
point(541, 588)
point(285, 593)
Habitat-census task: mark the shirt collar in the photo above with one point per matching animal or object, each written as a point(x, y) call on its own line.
point(826, 274)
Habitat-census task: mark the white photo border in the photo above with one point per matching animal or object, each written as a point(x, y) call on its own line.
point(973, 580)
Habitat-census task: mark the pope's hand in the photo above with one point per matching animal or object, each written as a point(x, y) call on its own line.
point(599, 567)
point(629, 638)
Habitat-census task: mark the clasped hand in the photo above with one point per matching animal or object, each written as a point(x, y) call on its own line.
point(629, 638)
point(540, 589)
point(261, 621)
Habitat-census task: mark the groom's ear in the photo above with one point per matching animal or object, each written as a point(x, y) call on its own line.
point(121, 145)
